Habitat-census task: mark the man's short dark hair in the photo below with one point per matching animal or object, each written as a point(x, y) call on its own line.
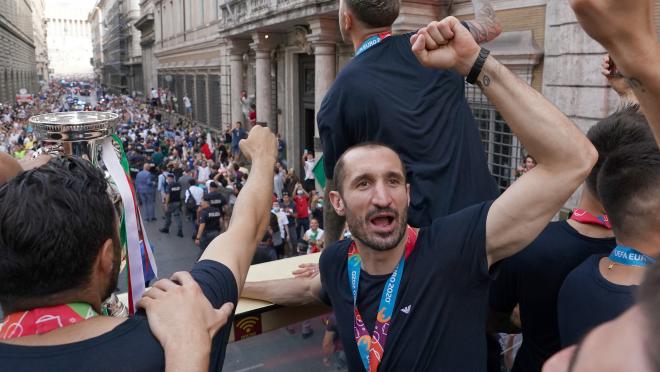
point(625, 127)
point(628, 188)
point(339, 172)
point(54, 220)
point(649, 302)
point(375, 13)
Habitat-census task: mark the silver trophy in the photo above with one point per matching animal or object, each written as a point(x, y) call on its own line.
point(81, 134)
point(74, 133)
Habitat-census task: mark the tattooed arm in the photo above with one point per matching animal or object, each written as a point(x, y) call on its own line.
point(565, 156)
point(485, 26)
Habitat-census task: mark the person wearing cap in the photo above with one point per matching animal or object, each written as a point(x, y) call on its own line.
point(215, 198)
point(172, 205)
point(209, 223)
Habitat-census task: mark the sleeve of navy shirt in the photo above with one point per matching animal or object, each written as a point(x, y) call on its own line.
point(219, 286)
point(459, 241)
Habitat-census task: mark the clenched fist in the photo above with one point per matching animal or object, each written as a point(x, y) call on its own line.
point(261, 144)
point(446, 44)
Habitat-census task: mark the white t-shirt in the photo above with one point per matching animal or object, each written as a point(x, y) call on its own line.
point(203, 174)
point(186, 101)
point(154, 93)
point(309, 169)
point(197, 194)
point(282, 220)
point(311, 235)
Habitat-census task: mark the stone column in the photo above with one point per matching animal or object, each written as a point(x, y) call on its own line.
point(262, 46)
point(324, 41)
point(237, 48)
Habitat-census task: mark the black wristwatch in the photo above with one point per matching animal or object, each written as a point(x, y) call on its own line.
point(478, 65)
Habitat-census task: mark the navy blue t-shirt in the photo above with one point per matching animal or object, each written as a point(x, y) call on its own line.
point(438, 322)
point(385, 95)
point(130, 346)
point(587, 299)
point(532, 278)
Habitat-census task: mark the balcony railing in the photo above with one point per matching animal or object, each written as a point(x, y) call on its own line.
point(236, 12)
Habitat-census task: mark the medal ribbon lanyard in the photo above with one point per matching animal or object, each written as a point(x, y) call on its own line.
point(582, 216)
point(627, 256)
point(371, 347)
point(371, 41)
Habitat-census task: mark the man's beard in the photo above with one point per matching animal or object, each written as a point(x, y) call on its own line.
point(375, 241)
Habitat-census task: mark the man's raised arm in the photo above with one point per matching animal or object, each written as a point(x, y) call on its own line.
point(563, 153)
point(627, 31)
point(235, 247)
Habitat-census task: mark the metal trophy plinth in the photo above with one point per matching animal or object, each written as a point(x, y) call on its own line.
point(88, 135)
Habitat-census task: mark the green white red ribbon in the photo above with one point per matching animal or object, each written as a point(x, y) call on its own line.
point(132, 228)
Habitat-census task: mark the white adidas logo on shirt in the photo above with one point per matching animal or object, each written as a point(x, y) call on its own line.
point(406, 310)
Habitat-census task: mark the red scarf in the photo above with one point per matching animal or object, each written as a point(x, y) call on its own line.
point(44, 319)
point(582, 216)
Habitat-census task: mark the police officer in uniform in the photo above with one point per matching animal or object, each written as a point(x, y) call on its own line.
point(209, 223)
point(172, 205)
point(215, 198)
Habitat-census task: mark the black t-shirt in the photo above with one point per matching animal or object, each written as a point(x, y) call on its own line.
point(386, 95)
point(587, 300)
point(533, 278)
point(438, 323)
point(216, 200)
point(130, 346)
point(211, 217)
point(174, 191)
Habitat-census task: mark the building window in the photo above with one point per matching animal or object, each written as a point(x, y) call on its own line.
point(503, 151)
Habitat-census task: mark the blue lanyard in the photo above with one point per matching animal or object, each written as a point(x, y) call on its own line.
point(371, 41)
point(629, 257)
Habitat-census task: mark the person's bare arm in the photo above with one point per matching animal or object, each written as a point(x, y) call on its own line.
point(626, 29)
point(485, 26)
point(564, 155)
point(10, 167)
point(333, 224)
point(251, 215)
point(200, 233)
point(286, 292)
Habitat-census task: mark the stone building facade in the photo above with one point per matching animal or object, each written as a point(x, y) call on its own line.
point(97, 29)
point(146, 26)
point(40, 36)
point(69, 38)
point(117, 57)
point(17, 49)
point(286, 53)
